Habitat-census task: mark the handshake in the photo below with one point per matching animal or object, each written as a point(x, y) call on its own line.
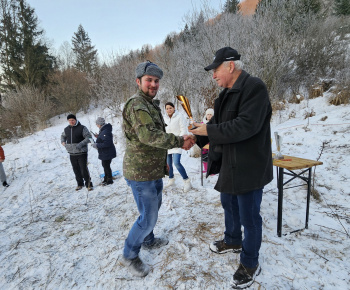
point(189, 141)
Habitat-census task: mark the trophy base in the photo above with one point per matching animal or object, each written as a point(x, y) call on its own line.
point(278, 156)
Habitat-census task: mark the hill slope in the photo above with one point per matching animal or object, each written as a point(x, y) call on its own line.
point(53, 237)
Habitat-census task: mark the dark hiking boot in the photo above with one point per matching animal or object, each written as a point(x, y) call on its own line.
point(157, 243)
point(78, 187)
point(220, 247)
point(107, 182)
point(5, 184)
point(244, 277)
point(89, 186)
point(136, 266)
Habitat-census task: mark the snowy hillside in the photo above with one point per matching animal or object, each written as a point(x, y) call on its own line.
point(52, 237)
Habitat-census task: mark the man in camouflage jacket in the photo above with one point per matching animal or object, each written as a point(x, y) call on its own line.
point(145, 163)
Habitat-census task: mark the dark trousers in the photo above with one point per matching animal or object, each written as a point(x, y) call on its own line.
point(107, 168)
point(244, 210)
point(81, 171)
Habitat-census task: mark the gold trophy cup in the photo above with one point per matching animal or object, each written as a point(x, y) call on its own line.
point(186, 105)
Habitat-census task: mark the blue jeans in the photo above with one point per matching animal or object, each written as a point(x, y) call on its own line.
point(244, 210)
point(178, 165)
point(148, 197)
point(2, 173)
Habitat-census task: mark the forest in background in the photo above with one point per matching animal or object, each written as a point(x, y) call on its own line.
point(299, 48)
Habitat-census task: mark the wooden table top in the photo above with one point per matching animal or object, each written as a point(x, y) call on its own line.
point(292, 163)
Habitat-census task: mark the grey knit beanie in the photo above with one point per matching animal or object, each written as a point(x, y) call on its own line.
point(100, 121)
point(148, 68)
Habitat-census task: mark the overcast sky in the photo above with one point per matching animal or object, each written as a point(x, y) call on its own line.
point(115, 25)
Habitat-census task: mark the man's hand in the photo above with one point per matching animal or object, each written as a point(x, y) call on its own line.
point(2, 160)
point(201, 129)
point(63, 143)
point(189, 141)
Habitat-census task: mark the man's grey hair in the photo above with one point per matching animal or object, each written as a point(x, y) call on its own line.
point(238, 64)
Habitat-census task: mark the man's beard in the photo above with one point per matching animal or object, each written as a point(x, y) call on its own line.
point(151, 96)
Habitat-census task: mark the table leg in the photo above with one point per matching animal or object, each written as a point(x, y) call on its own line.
point(201, 167)
point(280, 201)
point(308, 198)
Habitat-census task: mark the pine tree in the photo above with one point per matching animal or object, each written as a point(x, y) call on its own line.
point(86, 55)
point(342, 7)
point(231, 6)
point(25, 60)
point(10, 48)
point(36, 59)
point(185, 35)
point(169, 42)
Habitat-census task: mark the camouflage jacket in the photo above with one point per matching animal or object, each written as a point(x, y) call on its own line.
point(146, 140)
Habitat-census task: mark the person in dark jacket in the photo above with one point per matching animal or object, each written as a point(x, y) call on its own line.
point(240, 151)
point(106, 149)
point(75, 138)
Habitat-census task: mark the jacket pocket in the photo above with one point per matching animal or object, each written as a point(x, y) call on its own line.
point(215, 152)
point(231, 114)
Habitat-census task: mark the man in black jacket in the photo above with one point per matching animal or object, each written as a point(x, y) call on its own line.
point(75, 138)
point(240, 151)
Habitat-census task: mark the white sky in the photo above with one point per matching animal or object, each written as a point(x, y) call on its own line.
point(115, 25)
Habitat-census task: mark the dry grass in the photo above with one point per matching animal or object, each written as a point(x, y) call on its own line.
point(341, 97)
point(296, 99)
point(309, 114)
point(278, 106)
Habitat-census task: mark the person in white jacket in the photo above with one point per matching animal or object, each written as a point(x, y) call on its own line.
point(176, 124)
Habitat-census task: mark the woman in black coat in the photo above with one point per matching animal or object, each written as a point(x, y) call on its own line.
point(106, 149)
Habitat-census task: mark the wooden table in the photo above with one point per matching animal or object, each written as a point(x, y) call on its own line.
point(291, 163)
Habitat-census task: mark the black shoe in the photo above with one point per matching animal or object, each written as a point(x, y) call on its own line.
point(136, 266)
point(157, 243)
point(220, 247)
point(5, 184)
point(107, 182)
point(78, 187)
point(89, 186)
point(244, 277)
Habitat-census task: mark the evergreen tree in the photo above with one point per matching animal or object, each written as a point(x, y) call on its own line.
point(342, 7)
point(197, 25)
point(303, 6)
point(231, 6)
point(185, 35)
point(310, 6)
point(85, 54)
point(24, 58)
point(38, 64)
point(10, 58)
point(169, 42)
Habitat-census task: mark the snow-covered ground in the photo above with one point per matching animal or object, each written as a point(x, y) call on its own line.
point(52, 237)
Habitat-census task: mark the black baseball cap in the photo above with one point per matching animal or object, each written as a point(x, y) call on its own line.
point(223, 54)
